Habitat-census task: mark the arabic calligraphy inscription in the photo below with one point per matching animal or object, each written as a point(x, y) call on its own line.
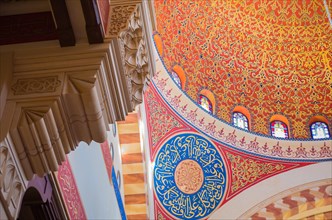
point(189, 176)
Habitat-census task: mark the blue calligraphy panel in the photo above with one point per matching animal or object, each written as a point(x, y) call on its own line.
point(189, 176)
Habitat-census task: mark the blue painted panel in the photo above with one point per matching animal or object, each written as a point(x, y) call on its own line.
point(179, 189)
point(118, 195)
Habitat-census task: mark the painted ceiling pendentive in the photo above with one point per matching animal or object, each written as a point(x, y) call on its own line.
point(194, 175)
point(273, 57)
point(200, 164)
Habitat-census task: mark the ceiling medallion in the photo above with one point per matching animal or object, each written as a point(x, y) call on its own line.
point(189, 176)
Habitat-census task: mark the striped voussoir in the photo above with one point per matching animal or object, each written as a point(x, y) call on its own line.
point(313, 203)
point(133, 168)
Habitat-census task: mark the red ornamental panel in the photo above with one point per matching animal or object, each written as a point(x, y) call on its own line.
point(70, 191)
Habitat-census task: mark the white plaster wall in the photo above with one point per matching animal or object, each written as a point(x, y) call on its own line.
point(149, 166)
point(96, 191)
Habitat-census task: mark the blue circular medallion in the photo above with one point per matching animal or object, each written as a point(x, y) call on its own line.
point(189, 176)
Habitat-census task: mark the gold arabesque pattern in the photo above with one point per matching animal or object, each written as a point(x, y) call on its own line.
point(188, 176)
point(271, 56)
point(246, 171)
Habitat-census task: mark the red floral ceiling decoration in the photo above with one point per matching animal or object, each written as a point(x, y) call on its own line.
point(241, 170)
point(269, 56)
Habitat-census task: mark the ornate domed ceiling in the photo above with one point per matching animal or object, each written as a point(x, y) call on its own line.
point(272, 57)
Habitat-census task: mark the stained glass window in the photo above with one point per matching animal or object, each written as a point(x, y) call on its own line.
point(319, 130)
point(176, 78)
point(240, 120)
point(205, 103)
point(279, 129)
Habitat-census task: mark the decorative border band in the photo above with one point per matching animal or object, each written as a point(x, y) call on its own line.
point(225, 133)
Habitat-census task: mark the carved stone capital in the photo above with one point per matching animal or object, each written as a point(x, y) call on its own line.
point(44, 131)
point(61, 100)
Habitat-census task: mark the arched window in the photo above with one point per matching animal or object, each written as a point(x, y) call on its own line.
point(179, 76)
point(177, 79)
point(240, 120)
point(319, 130)
point(279, 129)
point(205, 103)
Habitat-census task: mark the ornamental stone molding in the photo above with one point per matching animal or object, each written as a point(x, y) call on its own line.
point(36, 85)
point(131, 22)
point(135, 56)
point(120, 11)
point(54, 99)
point(11, 186)
point(118, 18)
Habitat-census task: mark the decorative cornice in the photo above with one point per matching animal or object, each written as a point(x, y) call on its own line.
point(59, 97)
point(77, 96)
point(86, 119)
